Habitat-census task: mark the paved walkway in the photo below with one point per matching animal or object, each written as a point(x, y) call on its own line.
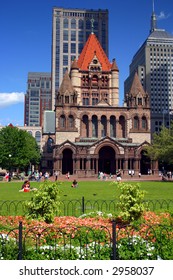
point(124, 178)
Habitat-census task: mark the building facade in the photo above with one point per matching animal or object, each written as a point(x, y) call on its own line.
point(92, 132)
point(38, 98)
point(71, 28)
point(154, 65)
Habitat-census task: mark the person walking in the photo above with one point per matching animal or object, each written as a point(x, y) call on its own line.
point(56, 175)
point(118, 175)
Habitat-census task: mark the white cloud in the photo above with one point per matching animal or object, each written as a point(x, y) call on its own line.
point(8, 99)
point(162, 15)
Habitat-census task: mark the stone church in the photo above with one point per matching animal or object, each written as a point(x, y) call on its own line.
point(93, 133)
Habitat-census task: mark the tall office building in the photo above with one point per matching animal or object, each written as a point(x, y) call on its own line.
point(154, 64)
point(38, 98)
point(71, 29)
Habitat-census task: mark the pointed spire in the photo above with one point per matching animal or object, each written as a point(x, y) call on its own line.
point(66, 85)
point(74, 64)
point(114, 65)
point(153, 20)
point(136, 86)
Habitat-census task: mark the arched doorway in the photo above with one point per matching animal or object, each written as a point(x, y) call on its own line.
point(67, 161)
point(145, 163)
point(106, 161)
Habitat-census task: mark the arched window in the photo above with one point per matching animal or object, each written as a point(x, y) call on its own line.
point(73, 24)
point(136, 123)
point(139, 101)
point(62, 121)
point(71, 121)
point(38, 136)
point(85, 126)
point(65, 23)
point(88, 24)
point(144, 123)
point(103, 126)
point(95, 80)
point(122, 126)
point(67, 100)
point(80, 24)
point(50, 145)
point(94, 126)
point(112, 126)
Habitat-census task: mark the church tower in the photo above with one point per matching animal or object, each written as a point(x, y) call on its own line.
point(93, 133)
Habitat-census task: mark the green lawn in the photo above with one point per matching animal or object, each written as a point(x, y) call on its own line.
point(90, 190)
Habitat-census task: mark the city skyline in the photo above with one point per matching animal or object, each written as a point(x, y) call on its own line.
point(26, 43)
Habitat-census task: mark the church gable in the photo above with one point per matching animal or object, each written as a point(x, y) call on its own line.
point(137, 97)
point(103, 102)
point(66, 94)
point(95, 64)
point(137, 88)
point(93, 52)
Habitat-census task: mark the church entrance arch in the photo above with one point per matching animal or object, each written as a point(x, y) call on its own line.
point(67, 161)
point(106, 163)
point(145, 163)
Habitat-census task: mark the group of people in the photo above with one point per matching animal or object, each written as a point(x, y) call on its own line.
point(104, 176)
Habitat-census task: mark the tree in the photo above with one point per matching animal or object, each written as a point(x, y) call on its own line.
point(18, 148)
point(162, 146)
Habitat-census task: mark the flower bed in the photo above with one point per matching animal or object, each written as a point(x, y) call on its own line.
point(90, 219)
point(89, 237)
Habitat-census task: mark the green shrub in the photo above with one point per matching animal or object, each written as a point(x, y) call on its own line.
point(130, 201)
point(45, 202)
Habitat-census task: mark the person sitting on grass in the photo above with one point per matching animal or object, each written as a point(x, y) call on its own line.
point(25, 186)
point(74, 184)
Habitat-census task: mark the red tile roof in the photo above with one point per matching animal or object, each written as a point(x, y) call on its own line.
point(92, 48)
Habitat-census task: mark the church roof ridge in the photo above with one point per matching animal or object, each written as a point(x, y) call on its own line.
point(91, 48)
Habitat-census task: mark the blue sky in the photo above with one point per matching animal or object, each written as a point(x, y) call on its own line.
point(26, 30)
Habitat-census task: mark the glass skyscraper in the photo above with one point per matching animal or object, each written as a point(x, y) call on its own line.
point(71, 28)
point(154, 64)
point(38, 98)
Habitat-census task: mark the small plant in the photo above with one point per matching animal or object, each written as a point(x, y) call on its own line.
point(8, 248)
point(136, 248)
point(45, 202)
point(131, 201)
point(96, 214)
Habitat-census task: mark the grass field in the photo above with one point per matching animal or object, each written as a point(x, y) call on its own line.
point(89, 189)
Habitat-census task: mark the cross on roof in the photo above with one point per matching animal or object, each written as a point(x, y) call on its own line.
point(92, 25)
